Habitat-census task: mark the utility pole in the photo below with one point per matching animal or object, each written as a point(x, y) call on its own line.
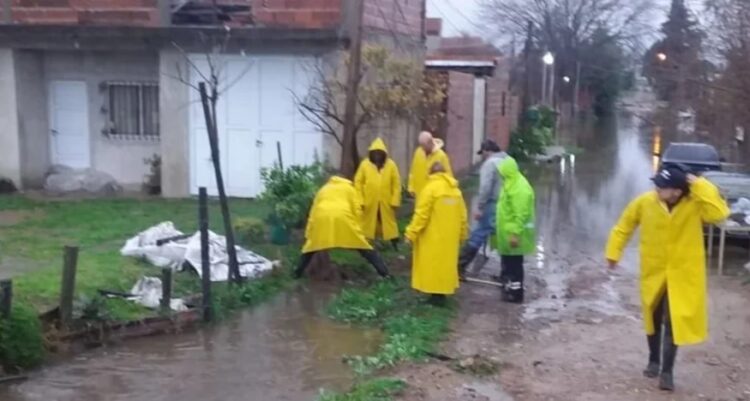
point(352, 90)
point(577, 88)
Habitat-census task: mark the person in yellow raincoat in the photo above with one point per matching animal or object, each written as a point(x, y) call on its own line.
point(437, 229)
point(335, 222)
point(379, 184)
point(673, 267)
point(429, 152)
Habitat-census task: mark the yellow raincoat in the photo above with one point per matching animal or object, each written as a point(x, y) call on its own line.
point(438, 228)
point(381, 193)
point(421, 163)
point(672, 255)
point(335, 218)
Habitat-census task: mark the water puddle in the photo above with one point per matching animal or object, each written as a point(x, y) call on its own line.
point(283, 350)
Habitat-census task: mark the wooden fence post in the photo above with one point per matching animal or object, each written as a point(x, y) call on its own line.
point(6, 298)
point(70, 263)
point(166, 290)
point(205, 263)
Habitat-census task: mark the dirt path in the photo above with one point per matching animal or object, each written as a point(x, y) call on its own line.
point(583, 340)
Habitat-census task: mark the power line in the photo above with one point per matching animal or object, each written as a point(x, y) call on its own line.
point(461, 13)
point(445, 16)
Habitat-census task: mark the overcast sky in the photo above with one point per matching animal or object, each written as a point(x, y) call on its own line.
point(465, 18)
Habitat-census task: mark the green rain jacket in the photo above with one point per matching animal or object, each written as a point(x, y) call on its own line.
point(515, 211)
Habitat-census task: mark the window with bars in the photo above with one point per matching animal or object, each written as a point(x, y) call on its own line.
point(133, 110)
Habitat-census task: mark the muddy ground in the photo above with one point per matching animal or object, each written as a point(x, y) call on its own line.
point(579, 336)
point(572, 352)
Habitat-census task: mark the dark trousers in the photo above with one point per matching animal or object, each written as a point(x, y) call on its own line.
point(371, 256)
point(662, 348)
point(511, 277)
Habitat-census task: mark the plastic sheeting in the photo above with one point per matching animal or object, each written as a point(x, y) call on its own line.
point(147, 292)
point(187, 252)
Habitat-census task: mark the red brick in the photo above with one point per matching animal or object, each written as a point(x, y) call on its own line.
point(460, 118)
point(44, 16)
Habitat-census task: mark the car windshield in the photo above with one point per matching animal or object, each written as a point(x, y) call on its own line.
point(691, 153)
point(732, 186)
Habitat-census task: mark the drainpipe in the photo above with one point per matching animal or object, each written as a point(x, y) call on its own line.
point(7, 12)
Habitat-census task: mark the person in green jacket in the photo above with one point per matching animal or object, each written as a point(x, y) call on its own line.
point(515, 228)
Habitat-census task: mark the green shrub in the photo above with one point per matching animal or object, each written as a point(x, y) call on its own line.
point(250, 231)
point(21, 341)
point(531, 138)
point(372, 390)
point(291, 191)
point(412, 328)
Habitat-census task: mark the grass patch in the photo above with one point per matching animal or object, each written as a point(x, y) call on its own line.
point(412, 327)
point(228, 298)
point(100, 227)
point(21, 343)
point(381, 389)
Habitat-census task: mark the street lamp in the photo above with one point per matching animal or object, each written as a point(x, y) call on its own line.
point(566, 79)
point(548, 58)
point(661, 56)
point(548, 92)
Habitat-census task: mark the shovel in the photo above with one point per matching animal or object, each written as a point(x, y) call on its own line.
point(480, 261)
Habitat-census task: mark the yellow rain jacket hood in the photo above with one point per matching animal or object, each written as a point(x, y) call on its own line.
point(335, 218)
point(381, 193)
point(438, 228)
point(672, 255)
point(421, 163)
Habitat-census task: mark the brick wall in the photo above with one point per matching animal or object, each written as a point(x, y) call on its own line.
point(502, 108)
point(85, 12)
point(298, 13)
point(403, 17)
point(459, 130)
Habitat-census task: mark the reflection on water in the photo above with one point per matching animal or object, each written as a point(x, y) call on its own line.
point(579, 202)
point(283, 350)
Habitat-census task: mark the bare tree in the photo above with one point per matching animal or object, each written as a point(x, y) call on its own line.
point(564, 24)
point(390, 88)
point(209, 89)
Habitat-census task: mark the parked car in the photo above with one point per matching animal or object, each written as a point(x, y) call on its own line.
point(696, 157)
point(733, 187)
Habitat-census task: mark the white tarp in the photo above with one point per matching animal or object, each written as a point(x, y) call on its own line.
point(174, 254)
point(143, 245)
point(147, 292)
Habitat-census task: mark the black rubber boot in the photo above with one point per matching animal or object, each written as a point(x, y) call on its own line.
point(670, 354)
point(654, 356)
point(376, 261)
point(394, 243)
point(438, 300)
point(467, 254)
point(666, 382)
point(304, 260)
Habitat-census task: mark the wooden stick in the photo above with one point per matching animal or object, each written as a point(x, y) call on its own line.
point(70, 262)
point(205, 264)
point(6, 298)
point(484, 282)
point(166, 290)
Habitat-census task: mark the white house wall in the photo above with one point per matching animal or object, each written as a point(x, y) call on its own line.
point(10, 162)
point(121, 158)
point(256, 109)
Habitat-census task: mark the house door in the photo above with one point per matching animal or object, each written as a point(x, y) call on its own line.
point(69, 128)
point(256, 111)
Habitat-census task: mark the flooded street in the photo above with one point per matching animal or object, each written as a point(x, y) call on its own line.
point(578, 337)
point(282, 350)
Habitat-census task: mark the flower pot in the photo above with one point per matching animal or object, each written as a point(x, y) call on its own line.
point(279, 234)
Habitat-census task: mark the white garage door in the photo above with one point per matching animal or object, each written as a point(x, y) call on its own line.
point(256, 109)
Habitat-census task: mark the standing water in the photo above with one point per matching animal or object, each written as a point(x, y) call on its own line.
point(283, 350)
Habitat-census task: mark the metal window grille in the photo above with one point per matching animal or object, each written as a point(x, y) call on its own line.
point(133, 109)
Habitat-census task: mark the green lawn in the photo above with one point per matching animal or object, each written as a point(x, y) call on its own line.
point(99, 228)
